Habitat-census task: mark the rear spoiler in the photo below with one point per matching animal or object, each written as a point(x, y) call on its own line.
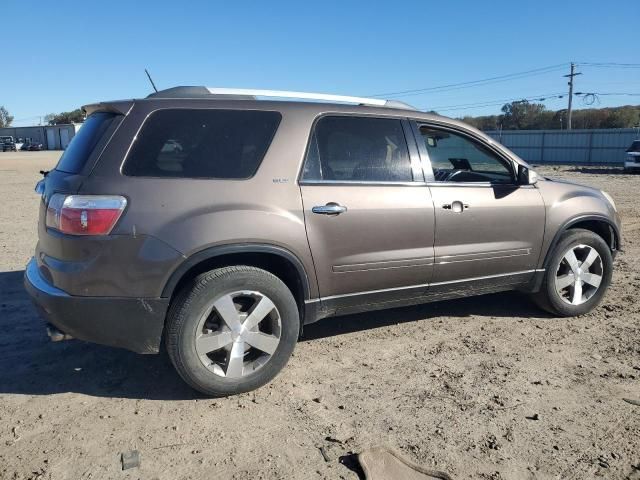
point(120, 107)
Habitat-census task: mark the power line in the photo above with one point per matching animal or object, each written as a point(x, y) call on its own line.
point(489, 103)
point(473, 83)
point(539, 98)
point(590, 98)
point(614, 94)
point(502, 78)
point(609, 65)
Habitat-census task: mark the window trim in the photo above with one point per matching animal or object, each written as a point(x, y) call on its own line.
point(149, 114)
point(426, 160)
point(410, 140)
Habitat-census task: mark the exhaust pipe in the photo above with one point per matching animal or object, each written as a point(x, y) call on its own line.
point(56, 335)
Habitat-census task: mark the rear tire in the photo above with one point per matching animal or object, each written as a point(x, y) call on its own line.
point(231, 330)
point(577, 275)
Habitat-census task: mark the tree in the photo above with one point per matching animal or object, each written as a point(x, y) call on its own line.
point(623, 117)
point(5, 118)
point(522, 115)
point(76, 116)
point(488, 122)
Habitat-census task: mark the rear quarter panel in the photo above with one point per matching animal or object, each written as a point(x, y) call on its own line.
point(191, 215)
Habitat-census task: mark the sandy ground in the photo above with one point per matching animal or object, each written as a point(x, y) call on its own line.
point(486, 387)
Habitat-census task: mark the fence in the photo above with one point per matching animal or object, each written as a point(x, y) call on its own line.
point(591, 147)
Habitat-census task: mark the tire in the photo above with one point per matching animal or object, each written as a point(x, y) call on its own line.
point(568, 302)
point(238, 366)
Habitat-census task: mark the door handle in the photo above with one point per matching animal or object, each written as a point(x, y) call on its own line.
point(456, 206)
point(330, 208)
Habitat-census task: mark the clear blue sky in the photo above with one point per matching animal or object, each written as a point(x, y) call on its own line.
point(61, 54)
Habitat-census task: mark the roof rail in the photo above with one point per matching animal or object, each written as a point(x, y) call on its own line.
point(247, 93)
point(376, 102)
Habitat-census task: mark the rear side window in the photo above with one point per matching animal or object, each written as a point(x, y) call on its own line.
point(358, 149)
point(83, 143)
point(228, 144)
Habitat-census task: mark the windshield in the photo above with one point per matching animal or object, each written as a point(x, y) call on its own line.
point(635, 147)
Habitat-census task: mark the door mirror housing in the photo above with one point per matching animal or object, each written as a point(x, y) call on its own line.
point(526, 176)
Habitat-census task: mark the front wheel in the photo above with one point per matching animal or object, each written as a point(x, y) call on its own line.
point(577, 276)
point(232, 330)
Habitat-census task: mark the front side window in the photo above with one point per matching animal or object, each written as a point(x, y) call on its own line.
point(199, 143)
point(456, 158)
point(358, 149)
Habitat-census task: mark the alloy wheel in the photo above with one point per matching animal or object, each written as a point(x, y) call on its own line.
point(579, 274)
point(238, 333)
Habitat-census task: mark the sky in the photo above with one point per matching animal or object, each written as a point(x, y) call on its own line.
point(59, 55)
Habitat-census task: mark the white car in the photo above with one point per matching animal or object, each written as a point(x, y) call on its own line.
point(632, 162)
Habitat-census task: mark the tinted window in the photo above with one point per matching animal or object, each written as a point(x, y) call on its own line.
point(455, 158)
point(83, 143)
point(202, 143)
point(358, 149)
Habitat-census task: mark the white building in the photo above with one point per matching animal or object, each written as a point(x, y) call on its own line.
point(53, 137)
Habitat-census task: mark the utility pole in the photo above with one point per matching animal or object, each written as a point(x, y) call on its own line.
point(570, 83)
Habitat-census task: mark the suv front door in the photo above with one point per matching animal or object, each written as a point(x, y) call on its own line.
point(368, 212)
point(488, 228)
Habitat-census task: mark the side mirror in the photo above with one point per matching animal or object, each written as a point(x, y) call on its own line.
point(526, 176)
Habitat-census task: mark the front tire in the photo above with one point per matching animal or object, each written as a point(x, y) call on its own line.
point(231, 330)
point(577, 276)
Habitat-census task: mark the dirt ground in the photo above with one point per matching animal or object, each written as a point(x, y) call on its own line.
point(487, 387)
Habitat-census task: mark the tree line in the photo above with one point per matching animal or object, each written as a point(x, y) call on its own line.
point(522, 115)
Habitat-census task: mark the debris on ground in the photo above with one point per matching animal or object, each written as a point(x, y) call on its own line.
point(130, 459)
point(382, 463)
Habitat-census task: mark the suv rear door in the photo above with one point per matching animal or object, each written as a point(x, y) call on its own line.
point(368, 212)
point(488, 228)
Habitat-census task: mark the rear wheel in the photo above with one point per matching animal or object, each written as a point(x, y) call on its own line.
point(232, 330)
point(578, 274)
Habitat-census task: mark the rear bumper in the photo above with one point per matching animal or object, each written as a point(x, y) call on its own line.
point(131, 323)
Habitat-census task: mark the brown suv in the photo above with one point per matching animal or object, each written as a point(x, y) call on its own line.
point(222, 223)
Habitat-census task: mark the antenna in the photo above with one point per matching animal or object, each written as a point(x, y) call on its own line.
point(150, 79)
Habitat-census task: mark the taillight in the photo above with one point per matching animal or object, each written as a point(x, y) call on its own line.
point(84, 214)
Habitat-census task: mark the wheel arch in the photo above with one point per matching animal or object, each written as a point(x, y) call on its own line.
point(598, 224)
point(266, 256)
point(277, 260)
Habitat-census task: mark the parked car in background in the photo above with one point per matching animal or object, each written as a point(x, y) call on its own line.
point(32, 147)
point(8, 144)
point(632, 162)
point(222, 223)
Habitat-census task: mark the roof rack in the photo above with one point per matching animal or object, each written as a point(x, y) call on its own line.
point(246, 94)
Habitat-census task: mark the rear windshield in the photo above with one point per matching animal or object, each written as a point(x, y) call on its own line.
point(198, 143)
point(83, 143)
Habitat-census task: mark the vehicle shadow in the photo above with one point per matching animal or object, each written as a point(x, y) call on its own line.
point(32, 365)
